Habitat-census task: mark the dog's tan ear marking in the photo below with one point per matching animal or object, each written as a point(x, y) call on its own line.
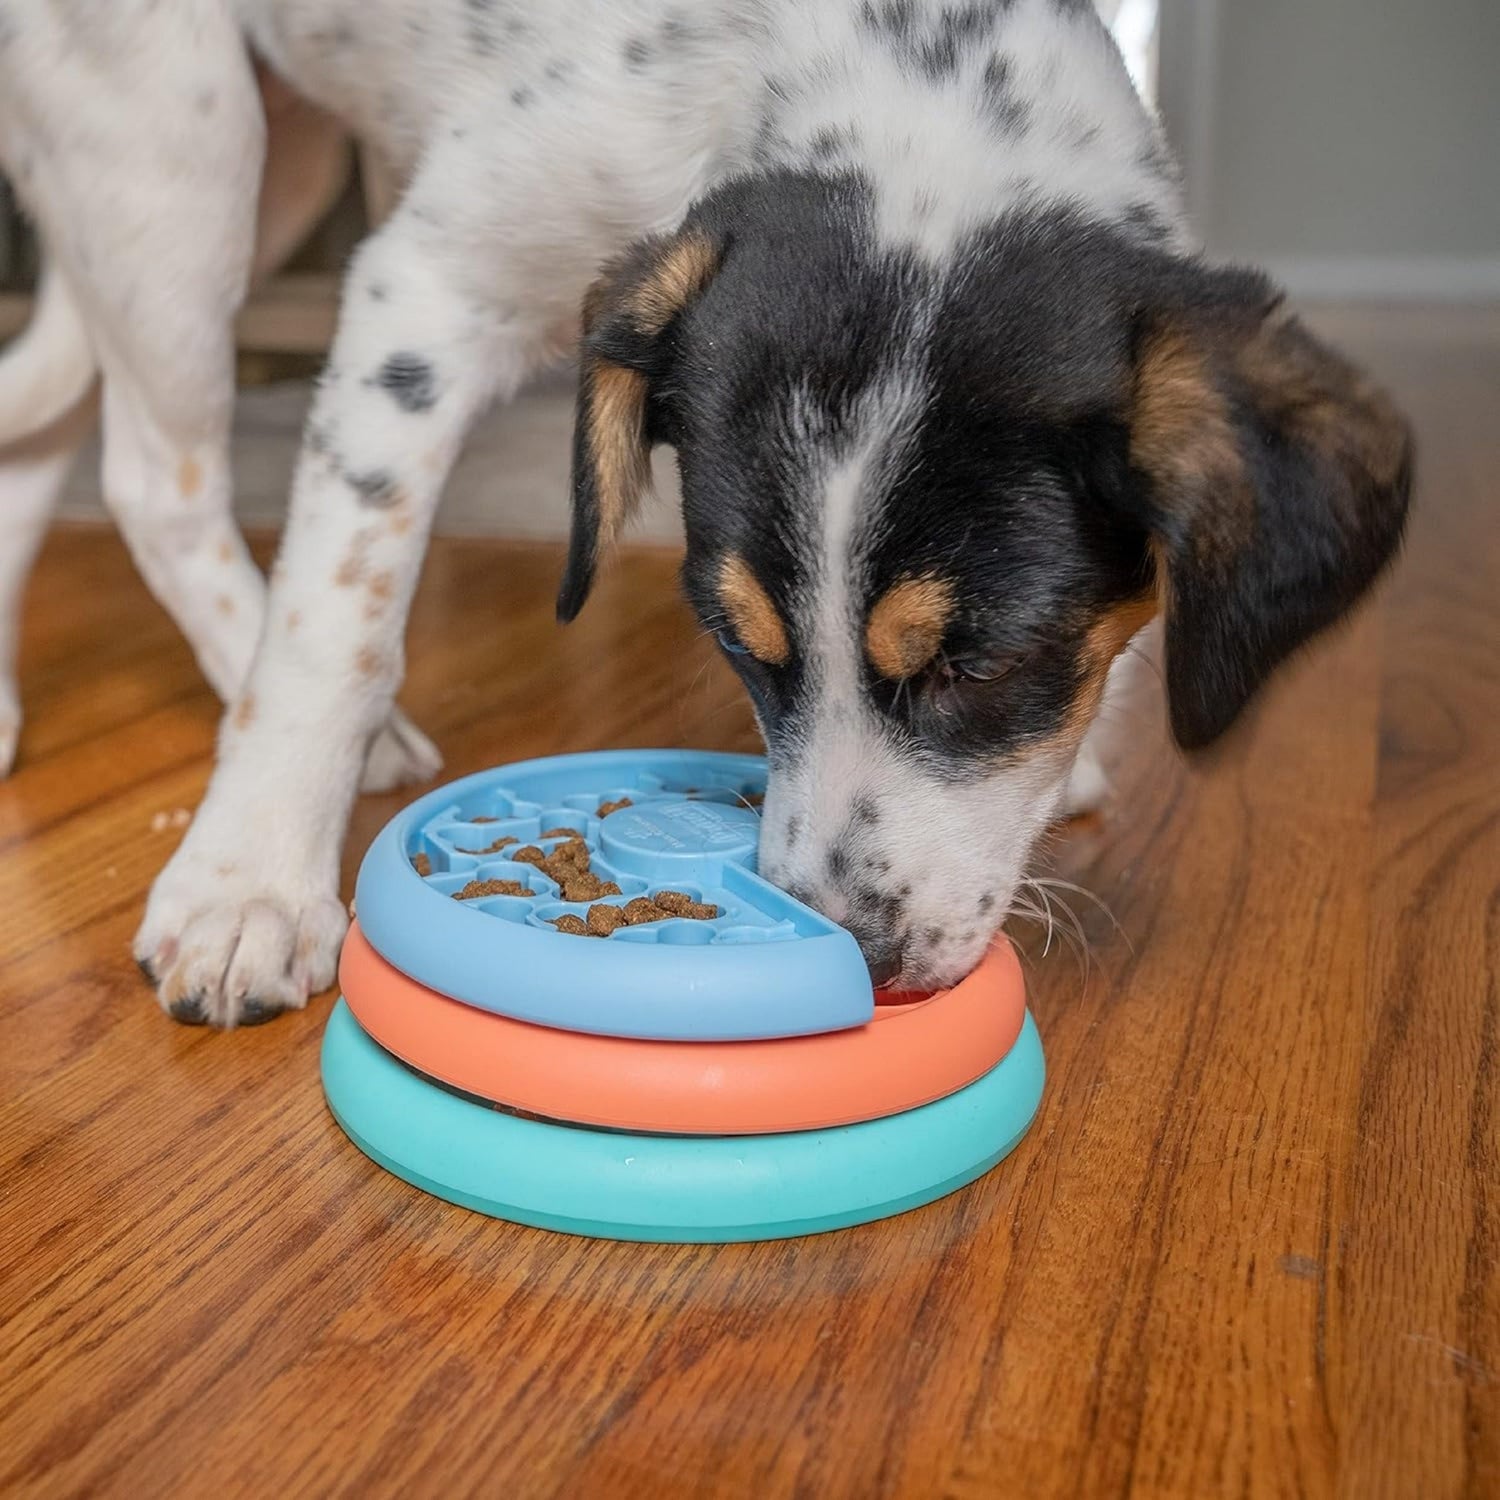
point(1275, 478)
point(618, 453)
point(681, 273)
point(755, 619)
point(907, 625)
point(1182, 436)
point(627, 315)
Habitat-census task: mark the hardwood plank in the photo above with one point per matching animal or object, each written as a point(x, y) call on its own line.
point(1250, 1246)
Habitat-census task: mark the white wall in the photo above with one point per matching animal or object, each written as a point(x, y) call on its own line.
point(1352, 144)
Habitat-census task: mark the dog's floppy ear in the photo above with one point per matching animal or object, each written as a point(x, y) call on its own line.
point(629, 319)
point(1275, 478)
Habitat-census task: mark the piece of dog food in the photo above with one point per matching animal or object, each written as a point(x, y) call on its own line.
point(482, 819)
point(531, 855)
point(606, 808)
point(680, 904)
point(422, 865)
point(558, 833)
point(573, 926)
point(573, 854)
point(754, 799)
point(477, 888)
point(641, 910)
point(586, 886)
point(503, 842)
point(603, 920)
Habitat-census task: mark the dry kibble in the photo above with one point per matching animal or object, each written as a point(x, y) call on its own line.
point(603, 920)
point(482, 819)
point(422, 865)
point(572, 855)
point(680, 904)
point(477, 888)
point(754, 799)
point(530, 855)
point(558, 833)
point(503, 842)
point(583, 885)
point(641, 910)
point(606, 808)
point(573, 926)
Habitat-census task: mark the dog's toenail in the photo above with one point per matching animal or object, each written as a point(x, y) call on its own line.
point(257, 1013)
point(144, 965)
point(189, 1010)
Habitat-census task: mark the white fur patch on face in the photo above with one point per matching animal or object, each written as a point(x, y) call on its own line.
point(920, 867)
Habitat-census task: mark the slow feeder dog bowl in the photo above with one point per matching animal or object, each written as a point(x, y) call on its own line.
point(661, 1120)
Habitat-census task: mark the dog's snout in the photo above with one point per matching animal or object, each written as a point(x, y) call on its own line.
point(882, 949)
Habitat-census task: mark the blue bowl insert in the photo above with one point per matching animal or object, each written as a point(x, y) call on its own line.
point(766, 966)
point(675, 1189)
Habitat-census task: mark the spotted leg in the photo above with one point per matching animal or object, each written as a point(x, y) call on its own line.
point(245, 920)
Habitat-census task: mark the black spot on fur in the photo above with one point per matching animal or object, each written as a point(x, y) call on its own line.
point(838, 863)
point(481, 27)
point(828, 141)
point(1147, 223)
point(206, 101)
point(522, 97)
point(1007, 113)
point(409, 381)
point(935, 46)
point(637, 53)
point(560, 70)
point(377, 291)
point(793, 828)
point(986, 903)
point(933, 936)
point(891, 19)
point(377, 488)
point(864, 811)
point(1153, 158)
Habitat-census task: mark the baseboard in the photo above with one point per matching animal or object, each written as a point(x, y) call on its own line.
point(1389, 278)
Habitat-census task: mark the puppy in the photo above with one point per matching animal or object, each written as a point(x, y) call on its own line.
point(957, 407)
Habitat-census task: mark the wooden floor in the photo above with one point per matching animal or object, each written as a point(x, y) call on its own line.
point(1252, 1245)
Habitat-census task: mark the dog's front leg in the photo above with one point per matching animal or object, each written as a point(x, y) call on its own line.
point(245, 920)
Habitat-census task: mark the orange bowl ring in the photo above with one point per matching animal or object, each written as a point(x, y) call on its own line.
point(911, 1054)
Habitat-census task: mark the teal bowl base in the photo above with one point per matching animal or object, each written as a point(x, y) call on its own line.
point(666, 1188)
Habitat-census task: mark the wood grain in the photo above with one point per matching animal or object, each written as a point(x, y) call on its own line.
point(1249, 1248)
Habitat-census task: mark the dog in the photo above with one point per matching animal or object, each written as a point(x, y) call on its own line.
point(959, 410)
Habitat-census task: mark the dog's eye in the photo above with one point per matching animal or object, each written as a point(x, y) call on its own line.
point(976, 668)
point(731, 643)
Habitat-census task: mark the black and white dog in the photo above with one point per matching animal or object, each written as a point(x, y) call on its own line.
point(905, 284)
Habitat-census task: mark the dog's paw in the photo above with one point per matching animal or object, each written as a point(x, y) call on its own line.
point(224, 951)
point(400, 755)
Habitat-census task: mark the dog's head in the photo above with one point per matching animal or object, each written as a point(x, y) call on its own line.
point(927, 506)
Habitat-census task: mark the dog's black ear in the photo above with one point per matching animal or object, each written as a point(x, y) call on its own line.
point(1275, 479)
point(629, 319)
